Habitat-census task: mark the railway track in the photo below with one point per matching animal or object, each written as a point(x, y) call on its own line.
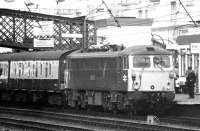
point(39, 126)
point(182, 120)
point(66, 121)
point(184, 115)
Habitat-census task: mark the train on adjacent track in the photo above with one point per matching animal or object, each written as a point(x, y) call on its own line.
point(136, 78)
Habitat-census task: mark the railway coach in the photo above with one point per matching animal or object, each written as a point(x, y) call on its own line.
point(32, 76)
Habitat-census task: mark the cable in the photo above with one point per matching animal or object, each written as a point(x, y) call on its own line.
point(110, 12)
point(187, 12)
point(29, 10)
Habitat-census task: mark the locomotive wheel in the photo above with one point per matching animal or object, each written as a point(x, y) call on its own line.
point(114, 108)
point(6, 96)
point(19, 97)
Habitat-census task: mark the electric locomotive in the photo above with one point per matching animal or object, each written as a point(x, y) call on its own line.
point(133, 79)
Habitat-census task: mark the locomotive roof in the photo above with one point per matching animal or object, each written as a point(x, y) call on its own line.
point(55, 55)
point(107, 54)
point(145, 50)
point(134, 50)
point(36, 55)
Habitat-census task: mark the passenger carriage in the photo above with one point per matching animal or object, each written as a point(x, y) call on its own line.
point(33, 76)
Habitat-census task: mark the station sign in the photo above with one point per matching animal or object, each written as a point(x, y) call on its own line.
point(43, 34)
point(67, 35)
point(195, 48)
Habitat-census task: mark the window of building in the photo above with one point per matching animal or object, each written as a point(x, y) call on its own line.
point(140, 13)
point(173, 11)
point(146, 13)
point(189, 2)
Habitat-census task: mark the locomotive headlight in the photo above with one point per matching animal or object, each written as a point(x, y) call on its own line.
point(136, 86)
point(171, 75)
point(152, 87)
point(168, 85)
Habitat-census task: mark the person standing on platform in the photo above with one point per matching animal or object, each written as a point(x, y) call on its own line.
point(190, 81)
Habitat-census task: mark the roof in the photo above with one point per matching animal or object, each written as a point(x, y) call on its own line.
point(188, 39)
point(79, 55)
point(36, 55)
point(124, 21)
point(134, 50)
point(146, 50)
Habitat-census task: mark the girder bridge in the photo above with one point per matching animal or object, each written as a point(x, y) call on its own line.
point(17, 30)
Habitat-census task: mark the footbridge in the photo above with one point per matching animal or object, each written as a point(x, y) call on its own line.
point(26, 30)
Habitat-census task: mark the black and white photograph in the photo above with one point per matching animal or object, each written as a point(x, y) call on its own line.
point(99, 65)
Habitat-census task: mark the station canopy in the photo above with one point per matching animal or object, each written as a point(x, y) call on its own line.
point(188, 39)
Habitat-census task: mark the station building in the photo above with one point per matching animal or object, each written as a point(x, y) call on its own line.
point(179, 29)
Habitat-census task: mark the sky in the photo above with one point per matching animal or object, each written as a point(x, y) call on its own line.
point(52, 4)
point(19, 4)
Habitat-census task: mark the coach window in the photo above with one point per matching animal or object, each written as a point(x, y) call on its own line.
point(49, 68)
point(5, 69)
point(1, 69)
point(46, 70)
point(15, 69)
point(19, 69)
point(36, 70)
point(33, 70)
point(141, 61)
point(22, 69)
point(29, 72)
point(40, 68)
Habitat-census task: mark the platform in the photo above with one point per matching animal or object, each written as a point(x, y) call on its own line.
point(185, 100)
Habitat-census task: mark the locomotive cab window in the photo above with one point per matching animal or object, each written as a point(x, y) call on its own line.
point(141, 61)
point(161, 61)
